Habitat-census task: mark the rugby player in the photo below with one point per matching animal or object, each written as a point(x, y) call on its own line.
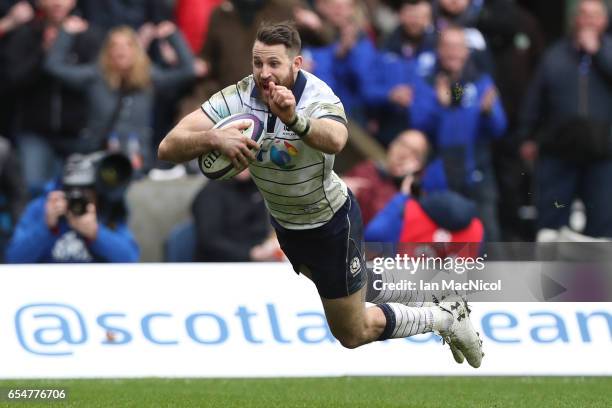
point(316, 218)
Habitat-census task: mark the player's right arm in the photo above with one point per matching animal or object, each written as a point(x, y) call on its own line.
point(194, 135)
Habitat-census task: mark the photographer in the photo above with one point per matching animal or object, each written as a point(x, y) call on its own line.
point(81, 220)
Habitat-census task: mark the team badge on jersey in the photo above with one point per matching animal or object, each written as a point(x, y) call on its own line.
point(355, 266)
point(281, 154)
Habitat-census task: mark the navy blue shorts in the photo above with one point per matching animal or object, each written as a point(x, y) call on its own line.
point(334, 252)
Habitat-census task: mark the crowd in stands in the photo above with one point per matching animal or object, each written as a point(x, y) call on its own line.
point(483, 111)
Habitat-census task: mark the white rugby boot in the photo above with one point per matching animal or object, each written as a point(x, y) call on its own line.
point(461, 336)
point(457, 354)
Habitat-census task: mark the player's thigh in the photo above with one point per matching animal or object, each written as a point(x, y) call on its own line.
point(347, 314)
point(333, 254)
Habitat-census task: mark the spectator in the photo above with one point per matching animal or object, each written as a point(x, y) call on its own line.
point(414, 39)
point(346, 65)
point(134, 13)
point(231, 33)
point(315, 30)
point(461, 111)
point(48, 115)
point(464, 13)
point(442, 216)
point(516, 44)
point(410, 53)
point(120, 88)
point(232, 223)
point(13, 14)
point(13, 194)
point(82, 219)
point(567, 110)
point(374, 184)
point(192, 18)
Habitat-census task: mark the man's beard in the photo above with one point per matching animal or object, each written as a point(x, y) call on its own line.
point(287, 82)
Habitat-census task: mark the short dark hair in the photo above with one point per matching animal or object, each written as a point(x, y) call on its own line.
point(397, 5)
point(283, 33)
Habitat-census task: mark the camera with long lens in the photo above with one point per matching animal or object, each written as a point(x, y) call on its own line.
point(106, 175)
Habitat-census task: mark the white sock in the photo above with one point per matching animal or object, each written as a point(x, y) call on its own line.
point(412, 298)
point(405, 321)
point(442, 320)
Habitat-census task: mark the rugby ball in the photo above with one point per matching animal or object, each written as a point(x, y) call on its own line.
point(217, 166)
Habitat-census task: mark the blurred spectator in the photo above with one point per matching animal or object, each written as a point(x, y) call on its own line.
point(383, 15)
point(462, 113)
point(410, 53)
point(315, 30)
point(516, 43)
point(374, 184)
point(192, 18)
point(232, 223)
point(232, 29)
point(442, 216)
point(134, 13)
point(464, 13)
point(346, 65)
point(120, 88)
point(13, 195)
point(567, 110)
point(415, 38)
point(12, 15)
point(81, 219)
point(48, 115)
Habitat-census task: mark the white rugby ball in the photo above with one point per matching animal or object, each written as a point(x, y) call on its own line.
point(217, 166)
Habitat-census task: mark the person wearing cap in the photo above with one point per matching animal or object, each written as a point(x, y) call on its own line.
point(81, 219)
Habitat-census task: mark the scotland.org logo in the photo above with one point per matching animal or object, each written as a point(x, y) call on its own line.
point(55, 329)
point(50, 329)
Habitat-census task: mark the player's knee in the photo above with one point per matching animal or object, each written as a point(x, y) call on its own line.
point(349, 340)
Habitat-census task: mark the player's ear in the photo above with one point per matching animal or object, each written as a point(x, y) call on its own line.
point(297, 62)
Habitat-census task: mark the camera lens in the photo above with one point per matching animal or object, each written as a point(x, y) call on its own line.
point(77, 201)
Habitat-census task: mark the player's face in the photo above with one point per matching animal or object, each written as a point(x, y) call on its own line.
point(273, 63)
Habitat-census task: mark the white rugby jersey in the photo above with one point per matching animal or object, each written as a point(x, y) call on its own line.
point(298, 183)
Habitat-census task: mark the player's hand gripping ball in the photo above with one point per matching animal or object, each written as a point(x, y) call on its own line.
point(216, 165)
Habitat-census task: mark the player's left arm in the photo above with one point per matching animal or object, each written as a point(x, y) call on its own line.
point(324, 134)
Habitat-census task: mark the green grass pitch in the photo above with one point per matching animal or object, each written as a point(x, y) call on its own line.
point(421, 392)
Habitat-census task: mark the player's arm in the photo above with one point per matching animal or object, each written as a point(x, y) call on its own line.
point(194, 135)
point(326, 135)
